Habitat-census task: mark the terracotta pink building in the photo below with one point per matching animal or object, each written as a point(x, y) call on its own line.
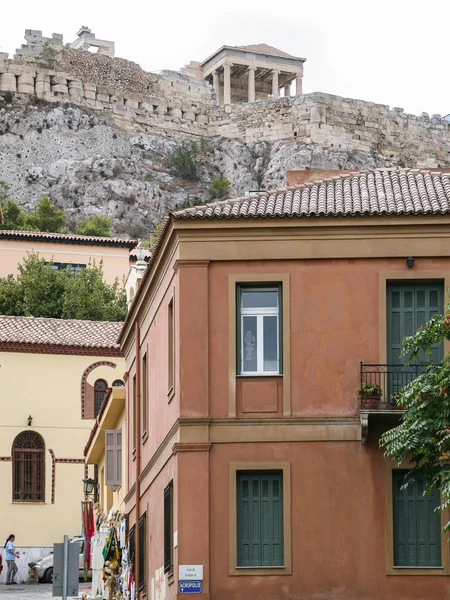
point(252, 463)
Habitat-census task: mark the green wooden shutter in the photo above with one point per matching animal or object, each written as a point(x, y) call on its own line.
point(168, 528)
point(408, 308)
point(142, 551)
point(260, 520)
point(417, 527)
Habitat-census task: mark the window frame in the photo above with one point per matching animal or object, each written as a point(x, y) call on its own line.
point(444, 570)
point(134, 415)
point(113, 479)
point(132, 545)
point(400, 473)
point(171, 348)
point(388, 277)
point(261, 279)
point(99, 391)
point(19, 465)
point(260, 313)
point(285, 469)
point(168, 529)
point(251, 477)
point(142, 552)
point(144, 425)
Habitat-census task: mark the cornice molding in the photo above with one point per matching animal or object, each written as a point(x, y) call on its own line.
point(189, 263)
point(191, 447)
point(27, 348)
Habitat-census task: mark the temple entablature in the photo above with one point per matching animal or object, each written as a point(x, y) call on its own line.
point(249, 73)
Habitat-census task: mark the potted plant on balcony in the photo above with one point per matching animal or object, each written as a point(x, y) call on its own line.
point(393, 401)
point(370, 394)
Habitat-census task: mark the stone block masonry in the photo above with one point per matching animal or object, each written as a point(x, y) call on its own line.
point(341, 124)
point(175, 104)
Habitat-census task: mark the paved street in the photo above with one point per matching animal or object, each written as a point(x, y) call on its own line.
point(43, 591)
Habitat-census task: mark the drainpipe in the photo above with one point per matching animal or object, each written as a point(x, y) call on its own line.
point(138, 459)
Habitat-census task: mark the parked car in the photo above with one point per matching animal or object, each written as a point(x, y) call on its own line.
point(44, 565)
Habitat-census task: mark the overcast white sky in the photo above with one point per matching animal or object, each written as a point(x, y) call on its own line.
point(394, 52)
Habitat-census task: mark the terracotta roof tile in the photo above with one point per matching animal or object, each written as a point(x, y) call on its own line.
point(59, 332)
point(66, 238)
point(377, 192)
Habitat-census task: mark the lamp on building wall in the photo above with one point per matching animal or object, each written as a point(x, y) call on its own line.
point(410, 262)
point(89, 486)
point(30, 420)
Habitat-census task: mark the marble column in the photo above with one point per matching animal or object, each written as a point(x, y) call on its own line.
point(216, 85)
point(287, 90)
point(298, 85)
point(227, 83)
point(251, 84)
point(275, 90)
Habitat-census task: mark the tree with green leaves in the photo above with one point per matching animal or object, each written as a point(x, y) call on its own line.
point(98, 225)
point(47, 217)
point(184, 161)
point(220, 187)
point(13, 216)
point(88, 297)
point(40, 290)
point(422, 439)
point(4, 192)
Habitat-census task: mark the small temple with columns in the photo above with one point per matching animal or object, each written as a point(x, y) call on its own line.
point(249, 73)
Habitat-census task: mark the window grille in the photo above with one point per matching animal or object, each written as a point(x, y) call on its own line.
point(100, 388)
point(28, 468)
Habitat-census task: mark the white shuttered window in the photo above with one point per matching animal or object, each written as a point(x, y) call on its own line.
point(113, 457)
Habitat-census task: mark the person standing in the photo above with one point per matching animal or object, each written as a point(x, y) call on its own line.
point(11, 556)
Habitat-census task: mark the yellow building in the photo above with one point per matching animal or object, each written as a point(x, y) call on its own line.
point(67, 249)
point(104, 451)
point(54, 377)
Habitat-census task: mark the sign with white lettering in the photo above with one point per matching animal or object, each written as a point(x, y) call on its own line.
point(190, 587)
point(190, 572)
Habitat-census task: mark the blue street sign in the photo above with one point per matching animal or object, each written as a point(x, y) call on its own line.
point(190, 587)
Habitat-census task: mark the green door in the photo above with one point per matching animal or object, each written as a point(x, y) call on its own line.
point(259, 519)
point(409, 307)
point(417, 524)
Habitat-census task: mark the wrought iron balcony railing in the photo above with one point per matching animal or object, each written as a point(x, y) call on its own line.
point(389, 379)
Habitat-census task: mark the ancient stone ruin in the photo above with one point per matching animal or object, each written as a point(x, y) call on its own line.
point(234, 94)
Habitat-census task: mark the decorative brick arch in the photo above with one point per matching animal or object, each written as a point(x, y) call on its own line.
point(87, 390)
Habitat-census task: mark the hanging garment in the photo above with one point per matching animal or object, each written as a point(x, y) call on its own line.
point(97, 562)
point(87, 514)
point(122, 533)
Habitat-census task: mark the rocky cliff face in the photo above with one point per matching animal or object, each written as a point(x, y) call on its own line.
point(89, 165)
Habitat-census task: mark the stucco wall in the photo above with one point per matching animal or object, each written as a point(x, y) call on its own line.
point(47, 387)
point(338, 526)
point(334, 327)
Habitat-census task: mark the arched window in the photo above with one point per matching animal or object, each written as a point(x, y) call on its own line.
point(100, 387)
point(28, 455)
point(118, 383)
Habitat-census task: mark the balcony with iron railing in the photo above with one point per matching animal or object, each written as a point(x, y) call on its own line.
point(386, 381)
point(380, 384)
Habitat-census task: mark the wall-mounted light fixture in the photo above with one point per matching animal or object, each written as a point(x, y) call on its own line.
point(410, 262)
point(89, 486)
point(30, 421)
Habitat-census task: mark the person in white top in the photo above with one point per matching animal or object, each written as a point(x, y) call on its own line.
point(11, 556)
